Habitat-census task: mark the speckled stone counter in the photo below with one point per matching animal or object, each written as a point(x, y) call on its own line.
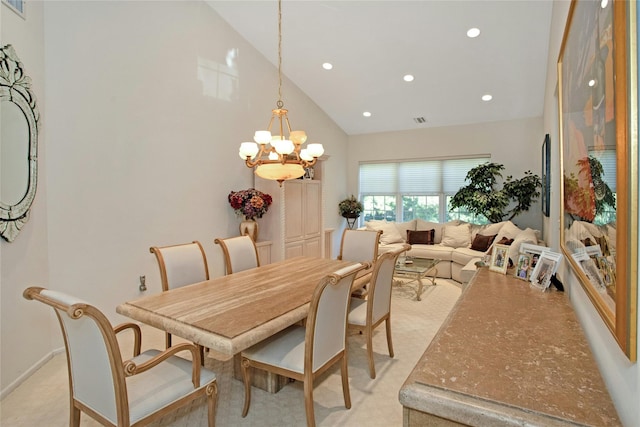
point(508, 355)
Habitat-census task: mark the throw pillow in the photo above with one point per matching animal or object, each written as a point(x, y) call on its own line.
point(423, 237)
point(404, 226)
point(390, 233)
point(528, 235)
point(456, 236)
point(481, 243)
point(505, 241)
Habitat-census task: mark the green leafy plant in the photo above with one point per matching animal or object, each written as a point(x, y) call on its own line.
point(350, 207)
point(482, 197)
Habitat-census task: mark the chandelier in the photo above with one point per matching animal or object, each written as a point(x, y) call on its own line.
point(277, 157)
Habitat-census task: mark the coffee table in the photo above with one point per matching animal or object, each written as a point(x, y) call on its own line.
point(416, 270)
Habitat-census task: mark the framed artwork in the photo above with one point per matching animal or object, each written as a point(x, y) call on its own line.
point(598, 109)
point(546, 175)
point(499, 258)
point(523, 266)
point(546, 267)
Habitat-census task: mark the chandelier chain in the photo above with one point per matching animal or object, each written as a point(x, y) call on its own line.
point(280, 104)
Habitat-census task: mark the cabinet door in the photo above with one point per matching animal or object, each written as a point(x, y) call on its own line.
point(294, 223)
point(294, 249)
point(312, 208)
point(312, 247)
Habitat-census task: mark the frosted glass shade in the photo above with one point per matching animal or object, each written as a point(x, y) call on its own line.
point(279, 172)
point(298, 137)
point(248, 149)
point(284, 146)
point(304, 155)
point(315, 150)
point(262, 137)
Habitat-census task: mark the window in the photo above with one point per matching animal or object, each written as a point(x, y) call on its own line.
point(402, 191)
point(15, 5)
point(607, 159)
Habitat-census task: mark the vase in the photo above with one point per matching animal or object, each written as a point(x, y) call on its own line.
point(249, 227)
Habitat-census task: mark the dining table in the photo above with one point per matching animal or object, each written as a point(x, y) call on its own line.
point(231, 313)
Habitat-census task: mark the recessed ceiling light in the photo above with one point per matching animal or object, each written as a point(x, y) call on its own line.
point(604, 3)
point(487, 97)
point(366, 114)
point(408, 78)
point(592, 83)
point(473, 32)
point(327, 66)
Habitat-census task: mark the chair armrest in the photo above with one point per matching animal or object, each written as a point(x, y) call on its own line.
point(130, 367)
point(137, 335)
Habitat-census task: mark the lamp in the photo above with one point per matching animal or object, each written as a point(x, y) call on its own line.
point(278, 157)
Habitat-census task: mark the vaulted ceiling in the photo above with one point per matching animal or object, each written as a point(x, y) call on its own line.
point(373, 44)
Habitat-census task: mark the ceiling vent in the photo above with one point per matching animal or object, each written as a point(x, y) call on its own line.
point(419, 120)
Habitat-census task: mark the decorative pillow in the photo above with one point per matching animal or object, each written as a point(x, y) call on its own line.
point(505, 241)
point(404, 226)
point(456, 236)
point(481, 243)
point(390, 233)
point(528, 235)
point(422, 237)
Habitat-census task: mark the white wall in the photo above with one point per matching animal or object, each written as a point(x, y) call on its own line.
point(26, 329)
point(517, 144)
point(621, 376)
point(138, 154)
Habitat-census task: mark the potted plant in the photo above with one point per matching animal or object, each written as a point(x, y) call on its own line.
point(350, 207)
point(482, 197)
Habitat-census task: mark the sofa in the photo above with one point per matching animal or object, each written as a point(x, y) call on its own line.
point(459, 245)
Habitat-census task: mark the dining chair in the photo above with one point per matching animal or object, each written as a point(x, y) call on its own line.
point(305, 352)
point(181, 265)
point(366, 315)
point(117, 392)
point(240, 253)
point(360, 246)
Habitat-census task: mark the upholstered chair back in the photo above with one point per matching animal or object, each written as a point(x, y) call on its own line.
point(181, 265)
point(382, 280)
point(327, 321)
point(93, 355)
point(240, 253)
point(359, 245)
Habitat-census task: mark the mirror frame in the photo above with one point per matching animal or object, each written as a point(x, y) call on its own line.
point(621, 320)
point(15, 87)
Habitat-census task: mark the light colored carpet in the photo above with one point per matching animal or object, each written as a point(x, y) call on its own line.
point(42, 400)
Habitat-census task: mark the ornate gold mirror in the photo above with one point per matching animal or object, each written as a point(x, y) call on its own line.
point(597, 80)
point(19, 123)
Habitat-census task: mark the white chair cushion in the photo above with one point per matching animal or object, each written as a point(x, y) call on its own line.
point(358, 312)
point(284, 349)
point(161, 385)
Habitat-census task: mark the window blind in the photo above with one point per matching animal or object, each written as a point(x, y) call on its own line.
point(425, 177)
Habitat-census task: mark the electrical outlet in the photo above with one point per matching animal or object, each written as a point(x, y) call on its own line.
point(143, 285)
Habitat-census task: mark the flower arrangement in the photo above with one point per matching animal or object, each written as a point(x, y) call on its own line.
point(350, 207)
point(250, 203)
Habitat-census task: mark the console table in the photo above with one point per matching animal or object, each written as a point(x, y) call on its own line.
point(507, 355)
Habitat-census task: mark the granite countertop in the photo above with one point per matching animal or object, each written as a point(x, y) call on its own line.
point(510, 354)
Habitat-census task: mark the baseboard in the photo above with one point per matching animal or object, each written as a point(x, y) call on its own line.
point(22, 378)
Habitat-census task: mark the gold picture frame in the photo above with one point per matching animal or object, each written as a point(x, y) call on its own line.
point(597, 95)
point(499, 258)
